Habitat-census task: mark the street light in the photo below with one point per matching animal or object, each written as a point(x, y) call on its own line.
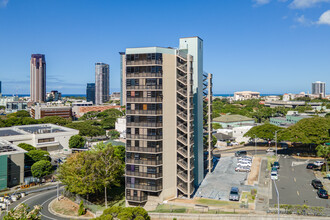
point(276, 142)
point(278, 200)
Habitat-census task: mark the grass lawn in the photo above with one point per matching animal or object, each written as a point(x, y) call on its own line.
point(166, 208)
point(271, 160)
point(247, 196)
point(213, 202)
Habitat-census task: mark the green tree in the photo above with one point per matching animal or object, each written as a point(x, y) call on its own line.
point(41, 168)
point(108, 123)
point(81, 210)
point(308, 131)
point(27, 147)
point(108, 169)
point(55, 120)
point(87, 129)
point(92, 115)
point(23, 212)
point(324, 152)
point(265, 131)
point(216, 126)
point(19, 114)
point(76, 141)
point(34, 156)
point(114, 134)
point(128, 213)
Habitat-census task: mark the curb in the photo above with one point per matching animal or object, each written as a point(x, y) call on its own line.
point(50, 209)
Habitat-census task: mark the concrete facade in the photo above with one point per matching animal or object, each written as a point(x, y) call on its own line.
point(49, 137)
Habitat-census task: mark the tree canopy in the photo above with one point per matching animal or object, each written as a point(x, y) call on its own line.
point(89, 172)
point(77, 141)
point(34, 156)
point(128, 213)
point(308, 131)
point(87, 128)
point(265, 131)
point(41, 168)
point(27, 147)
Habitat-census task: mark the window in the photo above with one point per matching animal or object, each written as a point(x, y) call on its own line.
point(137, 143)
point(137, 131)
point(44, 140)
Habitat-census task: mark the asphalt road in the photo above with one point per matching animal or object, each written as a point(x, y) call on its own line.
point(294, 184)
point(40, 198)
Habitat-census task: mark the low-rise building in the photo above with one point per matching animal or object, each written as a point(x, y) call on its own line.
point(290, 119)
point(15, 106)
point(233, 120)
point(53, 96)
point(120, 126)
point(41, 111)
point(239, 132)
point(11, 164)
point(244, 95)
point(5, 99)
point(115, 96)
point(49, 137)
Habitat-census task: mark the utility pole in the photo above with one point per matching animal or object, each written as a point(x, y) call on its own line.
point(58, 188)
point(278, 200)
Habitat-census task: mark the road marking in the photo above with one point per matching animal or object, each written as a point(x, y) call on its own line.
point(298, 193)
point(30, 198)
point(47, 207)
point(294, 178)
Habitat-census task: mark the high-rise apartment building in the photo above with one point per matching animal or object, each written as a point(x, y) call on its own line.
point(318, 88)
point(90, 92)
point(101, 83)
point(38, 78)
point(166, 156)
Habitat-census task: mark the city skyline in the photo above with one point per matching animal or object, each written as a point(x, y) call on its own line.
point(282, 41)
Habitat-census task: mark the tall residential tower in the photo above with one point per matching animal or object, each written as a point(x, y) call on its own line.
point(165, 153)
point(38, 78)
point(90, 92)
point(101, 83)
point(318, 88)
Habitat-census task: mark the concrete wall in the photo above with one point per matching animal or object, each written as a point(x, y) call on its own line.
point(169, 126)
point(15, 169)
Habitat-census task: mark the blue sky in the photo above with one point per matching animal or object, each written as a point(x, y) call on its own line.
point(270, 46)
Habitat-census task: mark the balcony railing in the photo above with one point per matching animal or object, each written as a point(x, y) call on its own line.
point(143, 74)
point(183, 176)
point(143, 174)
point(144, 112)
point(144, 99)
point(145, 149)
point(143, 62)
point(144, 137)
point(144, 124)
point(137, 198)
point(182, 67)
point(183, 80)
point(153, 87)
point(144, 187)
point(145, 162)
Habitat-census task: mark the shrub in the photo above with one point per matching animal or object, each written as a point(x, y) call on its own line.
point(81, 210)
point(27, 147)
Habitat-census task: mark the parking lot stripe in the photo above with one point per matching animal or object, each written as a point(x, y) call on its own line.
point(294, 178)
point(298, 193)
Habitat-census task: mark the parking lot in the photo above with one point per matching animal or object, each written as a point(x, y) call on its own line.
point(294, 184)
point(217, 184)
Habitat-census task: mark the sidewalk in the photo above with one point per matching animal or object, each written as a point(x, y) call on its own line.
point(262, 200)
point(32, 188)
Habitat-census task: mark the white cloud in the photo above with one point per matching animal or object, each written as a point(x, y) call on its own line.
point(260, 2)
point(3, 3)
point(300, 4)
point(325, 18)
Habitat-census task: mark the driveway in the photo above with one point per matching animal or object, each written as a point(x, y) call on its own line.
point(294, 184)
point(217, 184)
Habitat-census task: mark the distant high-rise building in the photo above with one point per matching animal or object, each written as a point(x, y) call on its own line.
point(0, 88)
point(166, 155)
point(318, 88)
point(101, 83)
point(90, 92)
point(38, 78)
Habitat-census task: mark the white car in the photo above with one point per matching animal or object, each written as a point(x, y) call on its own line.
point(242, 169)
point(244, 164)
point(270, 150)
point(318, 163)
point(274, 176)
point(244, 159)
point(234, 143)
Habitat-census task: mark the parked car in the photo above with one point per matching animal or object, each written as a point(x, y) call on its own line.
point(234, 194)
point(240, 153)
point(322, 193)
point(274, 170)
point(318, 163)
point(234, 143)
point(274, 176)
point(276, 164)
point(317, 184)
point(242, 169)
point(245, 158)
point(311, 166)
point(244, 163)
point(270, 150)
